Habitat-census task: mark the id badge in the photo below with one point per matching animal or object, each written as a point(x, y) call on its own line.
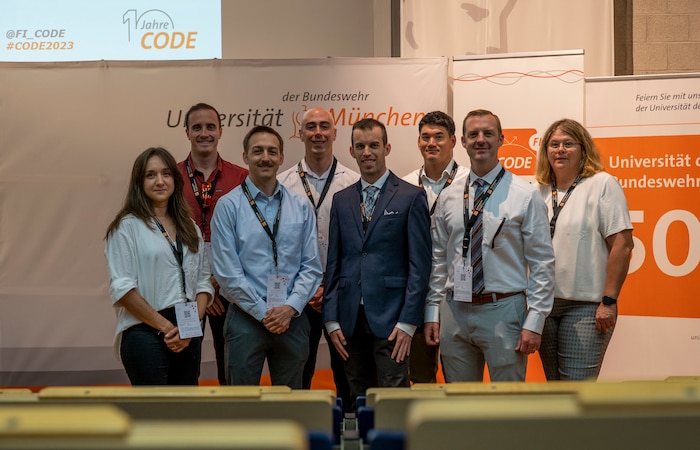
point(276, 290)
point(463, 283)
point(187, 315)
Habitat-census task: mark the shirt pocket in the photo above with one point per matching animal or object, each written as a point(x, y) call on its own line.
point(290, 239)
point(499, 232)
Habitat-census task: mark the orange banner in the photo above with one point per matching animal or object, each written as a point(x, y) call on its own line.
point(660, 176)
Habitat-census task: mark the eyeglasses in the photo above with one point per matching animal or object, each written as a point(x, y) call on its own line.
point(568, 145)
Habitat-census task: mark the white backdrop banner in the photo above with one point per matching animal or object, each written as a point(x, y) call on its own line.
point(69, 134)
point(480, 27)
point(648, 130)
point(528, 91)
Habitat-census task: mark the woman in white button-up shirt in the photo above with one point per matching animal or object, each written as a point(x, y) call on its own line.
point(155, 257)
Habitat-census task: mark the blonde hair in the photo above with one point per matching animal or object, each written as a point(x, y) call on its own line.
point(591, 162)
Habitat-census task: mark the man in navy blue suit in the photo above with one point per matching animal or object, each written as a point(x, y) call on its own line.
point(378, 266)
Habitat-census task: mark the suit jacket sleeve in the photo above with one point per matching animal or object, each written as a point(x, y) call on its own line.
point(419, 260)
point(330, 289)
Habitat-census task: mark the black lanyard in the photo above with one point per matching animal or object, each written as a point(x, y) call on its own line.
point(272, 234)
point(478, 208)
point(326, 185)
point(177, 251)
point(556, 208)
point(447, 183)
point(206, 197)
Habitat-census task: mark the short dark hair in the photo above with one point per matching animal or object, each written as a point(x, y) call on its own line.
point(197, 107)
point(262, 129)
point(367, 124)
point(439, 119)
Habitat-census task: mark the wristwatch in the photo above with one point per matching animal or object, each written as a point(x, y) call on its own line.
point(608, 301)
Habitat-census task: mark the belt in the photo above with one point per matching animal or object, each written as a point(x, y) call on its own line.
point(492, 297)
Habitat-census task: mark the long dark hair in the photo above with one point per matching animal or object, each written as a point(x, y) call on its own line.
point(139, 205)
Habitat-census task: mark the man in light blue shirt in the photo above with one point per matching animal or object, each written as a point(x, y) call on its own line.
point(266, 260)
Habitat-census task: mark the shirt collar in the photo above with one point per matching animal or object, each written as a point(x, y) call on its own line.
point(379, 183)
point(489, 177)
point(445, 173)
point(219, 164)
point(312, 174)
point(254, 191)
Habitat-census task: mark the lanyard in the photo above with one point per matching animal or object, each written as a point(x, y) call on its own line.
point(205, 198)
point(177, 251)
point(326, 185)
point(272, 234)
point(447, 183)
point(478, 208)
point(556, 208)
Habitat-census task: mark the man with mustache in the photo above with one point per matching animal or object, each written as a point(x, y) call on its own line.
point(378, 266)
point(266, 261)
point(208, 177)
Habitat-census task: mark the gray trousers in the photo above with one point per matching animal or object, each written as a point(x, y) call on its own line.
point(474, 334)
point(248, 344)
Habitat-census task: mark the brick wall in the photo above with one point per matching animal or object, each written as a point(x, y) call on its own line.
point(666, 36)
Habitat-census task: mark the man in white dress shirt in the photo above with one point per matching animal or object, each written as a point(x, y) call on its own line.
point(439, 172)
point(492, 281)
point(318, 176)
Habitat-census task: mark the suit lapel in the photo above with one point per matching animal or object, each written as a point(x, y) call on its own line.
point(385, 196)
point(355, 199)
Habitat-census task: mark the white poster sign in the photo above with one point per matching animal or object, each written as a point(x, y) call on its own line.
point(528, 91)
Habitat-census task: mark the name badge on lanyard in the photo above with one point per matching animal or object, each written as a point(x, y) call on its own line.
point(463, 283)
point(276, 290)
point(462, 290)
point(187, 315)
point(276, 284)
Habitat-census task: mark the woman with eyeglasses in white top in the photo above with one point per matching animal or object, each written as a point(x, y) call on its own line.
point(592, 238)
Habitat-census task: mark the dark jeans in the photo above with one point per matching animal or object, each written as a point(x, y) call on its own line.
point(148, 361)
point(216, 324)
